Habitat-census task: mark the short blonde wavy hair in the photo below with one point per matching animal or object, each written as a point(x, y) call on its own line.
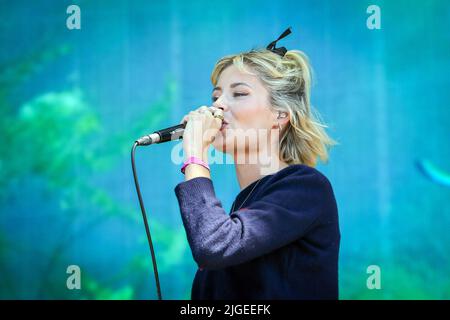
point(288, 81)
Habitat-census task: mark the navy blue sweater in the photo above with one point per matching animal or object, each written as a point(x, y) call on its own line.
point(282, 244)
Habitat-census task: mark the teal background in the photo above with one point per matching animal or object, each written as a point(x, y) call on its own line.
point(73, 101)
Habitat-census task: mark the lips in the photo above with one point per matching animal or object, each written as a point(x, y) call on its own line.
point(224, 124)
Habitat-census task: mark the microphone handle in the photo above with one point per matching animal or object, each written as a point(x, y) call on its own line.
point(163, 135)
point(171, 133)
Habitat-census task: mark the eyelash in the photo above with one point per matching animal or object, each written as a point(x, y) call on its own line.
point(235, 95)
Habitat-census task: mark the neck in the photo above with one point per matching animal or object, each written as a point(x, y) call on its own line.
point(247, 173)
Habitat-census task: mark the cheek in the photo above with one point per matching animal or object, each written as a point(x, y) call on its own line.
point(253, 115)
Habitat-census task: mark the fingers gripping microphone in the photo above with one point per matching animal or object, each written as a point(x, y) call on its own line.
point(163, 135)
point(171, 133)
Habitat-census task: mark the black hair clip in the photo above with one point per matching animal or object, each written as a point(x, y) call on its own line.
point(280, 51)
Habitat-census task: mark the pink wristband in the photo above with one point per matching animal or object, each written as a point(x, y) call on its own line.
point(193, 160)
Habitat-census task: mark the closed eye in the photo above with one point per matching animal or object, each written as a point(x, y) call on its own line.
point(234, 95)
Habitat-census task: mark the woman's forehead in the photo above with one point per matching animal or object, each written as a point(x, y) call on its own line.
point(232, 76)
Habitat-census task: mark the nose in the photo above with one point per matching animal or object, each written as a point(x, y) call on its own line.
point(220, 104)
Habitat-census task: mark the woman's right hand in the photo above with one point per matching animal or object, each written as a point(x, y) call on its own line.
point(202, 125)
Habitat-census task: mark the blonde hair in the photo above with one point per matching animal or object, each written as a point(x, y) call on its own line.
point(288, 80)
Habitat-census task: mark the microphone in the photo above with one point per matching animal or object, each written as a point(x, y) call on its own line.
point(167, 134)
point(163, 135)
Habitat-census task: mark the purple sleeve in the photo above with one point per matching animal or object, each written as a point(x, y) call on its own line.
point(284, 212)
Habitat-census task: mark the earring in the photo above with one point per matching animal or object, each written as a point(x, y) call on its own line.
point(281, 116)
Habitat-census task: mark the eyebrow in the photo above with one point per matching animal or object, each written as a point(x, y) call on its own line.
point(233, 85)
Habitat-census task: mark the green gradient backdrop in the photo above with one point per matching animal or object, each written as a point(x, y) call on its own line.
point(73, 101)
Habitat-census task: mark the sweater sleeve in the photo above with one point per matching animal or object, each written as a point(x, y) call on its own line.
point(284, 212)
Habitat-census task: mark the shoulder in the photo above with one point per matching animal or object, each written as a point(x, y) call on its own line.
point(300, 172)
point(300, 190)
point(300, 182)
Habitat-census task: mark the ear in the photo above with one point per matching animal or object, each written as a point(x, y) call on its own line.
point(280, 118)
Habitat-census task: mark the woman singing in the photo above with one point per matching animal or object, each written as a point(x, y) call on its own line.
point(281, 238)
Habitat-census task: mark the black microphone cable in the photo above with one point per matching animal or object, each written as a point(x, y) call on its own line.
point(144, 216)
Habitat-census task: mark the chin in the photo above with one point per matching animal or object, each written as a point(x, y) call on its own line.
point(219, 142)
point(222, 143)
